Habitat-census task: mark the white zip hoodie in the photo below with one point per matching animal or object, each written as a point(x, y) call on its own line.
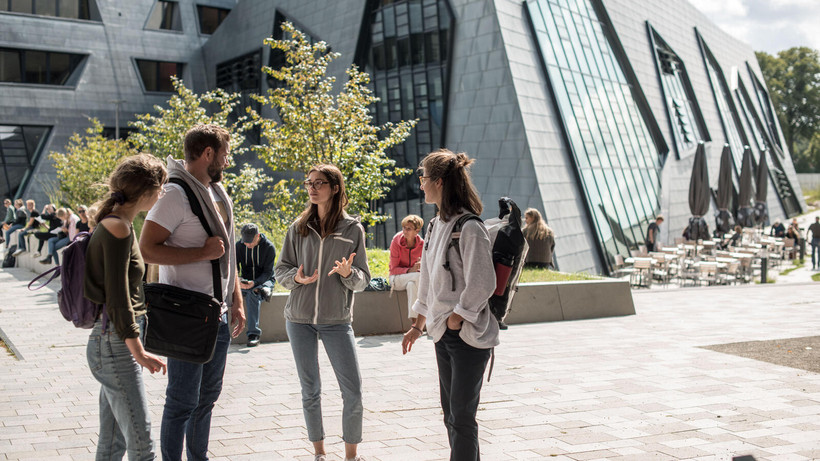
point(475, 282)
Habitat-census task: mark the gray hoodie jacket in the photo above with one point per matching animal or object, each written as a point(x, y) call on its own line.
point(329, 300)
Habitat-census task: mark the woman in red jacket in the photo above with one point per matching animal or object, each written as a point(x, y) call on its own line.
point(405, 255)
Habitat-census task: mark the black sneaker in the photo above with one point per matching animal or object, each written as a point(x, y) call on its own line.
point(253, 340)
point(502, 325)
point(46, 260)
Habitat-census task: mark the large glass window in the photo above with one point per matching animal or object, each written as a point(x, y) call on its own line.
point(685, 118)
point(210, 18)
point(38, 67)
point(405, 47)
point(617, 158)
point(74, 9)
point(767, 108)
point(20, 148)
point(732, 128)
point(164, 16)
point(156, 75)
point(242, 75)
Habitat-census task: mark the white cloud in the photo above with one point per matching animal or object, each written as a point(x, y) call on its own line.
point(768, 25)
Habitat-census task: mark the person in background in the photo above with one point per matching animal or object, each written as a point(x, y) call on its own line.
point(255, 257)
point(66, 235)
point(20, 218)
point(83, 224)
point(814, 230)
point(32, 225)
point(652, 234)
point(461, 324)
point(778, 229)
point(53, 218)
point(328, 244)
point(540, 239)
point(405, 260)
point(113, 277)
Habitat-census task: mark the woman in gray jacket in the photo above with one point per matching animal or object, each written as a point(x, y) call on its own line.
point(330, 245)
point(460, 321)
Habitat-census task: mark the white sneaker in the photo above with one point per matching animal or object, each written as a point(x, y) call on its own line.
point(357, 458)
point(18, 252)
point(36, 255)
point(320, 458)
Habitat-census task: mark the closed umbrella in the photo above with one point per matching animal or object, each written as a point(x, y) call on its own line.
point(745, 212)
point(699, 196)
point(723, 218)
point(762, 186)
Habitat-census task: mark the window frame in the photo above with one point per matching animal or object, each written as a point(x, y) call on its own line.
point(178, 9)
point(199, 17)
point(181, 67)
point(77, 62)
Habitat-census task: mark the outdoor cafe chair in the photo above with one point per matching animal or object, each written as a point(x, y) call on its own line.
point(642, 276)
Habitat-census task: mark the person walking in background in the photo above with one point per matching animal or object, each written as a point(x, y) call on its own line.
point(652, 234)
point(405, 260)
point(32, 225)
point(115, 353)
point(174, 238)
point(460, 321)
point(814, 230)
point(540, 238)
point(328, 245)
point(255, 256)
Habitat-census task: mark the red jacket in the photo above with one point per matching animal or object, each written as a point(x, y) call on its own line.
point(401, 257)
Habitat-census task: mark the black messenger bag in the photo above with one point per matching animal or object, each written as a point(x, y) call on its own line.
point(183, 324)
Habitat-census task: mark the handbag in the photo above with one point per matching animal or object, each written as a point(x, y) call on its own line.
point(184, 324)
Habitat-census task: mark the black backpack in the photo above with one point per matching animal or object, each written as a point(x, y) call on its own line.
point(509, 250)
point(10, 260)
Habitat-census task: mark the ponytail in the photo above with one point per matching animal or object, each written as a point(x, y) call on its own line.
point(458, 192)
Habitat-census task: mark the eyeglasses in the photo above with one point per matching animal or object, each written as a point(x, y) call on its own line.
point(422, 178)
point(315, 185)
point(80, 211)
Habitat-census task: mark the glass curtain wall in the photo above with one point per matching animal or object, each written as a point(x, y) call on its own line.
point(766, 107)
point(685, 118)
point(242, 75)
point(732, 128)
point(617, 157)
point(406, 50)
point(20, 149)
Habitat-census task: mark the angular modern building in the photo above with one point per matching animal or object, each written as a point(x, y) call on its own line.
point(587, 110)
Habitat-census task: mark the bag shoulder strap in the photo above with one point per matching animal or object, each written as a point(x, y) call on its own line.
point(196, 208)
point(455, 238)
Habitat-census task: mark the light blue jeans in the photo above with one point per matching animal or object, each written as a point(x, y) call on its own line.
point(10, 231)
point(125, 424)
point(341, 350)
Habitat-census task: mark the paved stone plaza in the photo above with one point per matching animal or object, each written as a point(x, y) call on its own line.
point(638, 387)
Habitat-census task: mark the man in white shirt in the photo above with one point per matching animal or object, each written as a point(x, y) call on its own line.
point(174, 238)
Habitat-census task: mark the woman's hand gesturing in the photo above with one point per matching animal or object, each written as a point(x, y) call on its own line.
point(302, 280)
point(343, 267)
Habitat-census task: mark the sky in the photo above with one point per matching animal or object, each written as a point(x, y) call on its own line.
point(767, 25)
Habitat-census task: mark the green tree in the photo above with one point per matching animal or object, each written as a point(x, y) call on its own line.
point(83, 169)
point(793, 78)
point(315, 125)
point(162, 133)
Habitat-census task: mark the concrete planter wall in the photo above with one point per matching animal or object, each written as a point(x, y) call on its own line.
point(378, 313)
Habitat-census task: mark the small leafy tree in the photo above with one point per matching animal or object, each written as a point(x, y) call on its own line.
point(162, 134)
point(317, 126)
point(83, 169)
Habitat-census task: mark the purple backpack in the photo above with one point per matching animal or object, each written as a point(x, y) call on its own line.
point(73, 304)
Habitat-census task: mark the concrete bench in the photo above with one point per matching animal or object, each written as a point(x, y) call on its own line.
point(378, 313)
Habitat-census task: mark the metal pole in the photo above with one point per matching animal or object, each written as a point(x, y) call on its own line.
point(117, 103)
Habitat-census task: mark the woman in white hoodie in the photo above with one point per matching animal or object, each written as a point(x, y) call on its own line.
point(455, 309)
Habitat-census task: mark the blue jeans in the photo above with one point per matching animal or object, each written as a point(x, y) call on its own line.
point(460, 373)
point(21, 238)
point(252, 303)
point(54, 244)
point(340, 346)
point(11, 231)
point(125, 424)
point(192, 391)
point(815, 255)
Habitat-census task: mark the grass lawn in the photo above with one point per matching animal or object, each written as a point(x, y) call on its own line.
point(379, 262)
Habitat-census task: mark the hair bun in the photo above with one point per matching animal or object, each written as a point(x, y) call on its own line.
point(463, 161)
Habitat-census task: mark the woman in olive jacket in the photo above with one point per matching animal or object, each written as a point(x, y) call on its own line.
point(330, 245)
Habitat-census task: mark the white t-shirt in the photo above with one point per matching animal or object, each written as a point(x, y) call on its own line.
point(173, 213)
